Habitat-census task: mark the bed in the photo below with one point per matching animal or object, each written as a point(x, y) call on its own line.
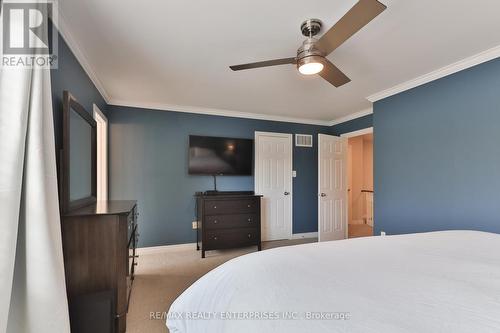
point(445, 281)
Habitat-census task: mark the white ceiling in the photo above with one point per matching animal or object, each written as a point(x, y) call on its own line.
point(176, 53)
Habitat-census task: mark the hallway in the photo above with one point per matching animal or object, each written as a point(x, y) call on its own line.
point(359, 230)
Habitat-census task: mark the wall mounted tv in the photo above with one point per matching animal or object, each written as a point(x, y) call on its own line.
point(220, 156)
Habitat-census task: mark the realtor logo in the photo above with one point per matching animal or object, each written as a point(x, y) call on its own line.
point(28, 37)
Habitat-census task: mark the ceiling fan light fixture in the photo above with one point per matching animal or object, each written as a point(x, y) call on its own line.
point(310, 65)
point(311, 55)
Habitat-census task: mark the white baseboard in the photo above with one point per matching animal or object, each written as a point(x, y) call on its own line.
point(163, 248)
point(305, 235)
point(192, 246)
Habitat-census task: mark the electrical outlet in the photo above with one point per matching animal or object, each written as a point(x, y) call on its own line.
point(195, 225)
point(382, 233)
point(294, 174)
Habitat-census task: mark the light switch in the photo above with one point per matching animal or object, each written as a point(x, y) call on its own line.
point(294, 173)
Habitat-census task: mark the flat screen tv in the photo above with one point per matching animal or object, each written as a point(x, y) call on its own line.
point(220, 156)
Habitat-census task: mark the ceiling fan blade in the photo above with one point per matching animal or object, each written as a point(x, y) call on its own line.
point(356, 18)
point(266, 63)
point(333, 75)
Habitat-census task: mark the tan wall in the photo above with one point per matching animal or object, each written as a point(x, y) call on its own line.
point(368, 163)
point(360, 175)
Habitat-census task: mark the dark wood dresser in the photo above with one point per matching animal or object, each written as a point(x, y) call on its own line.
point(99, 243)
point(227, 221)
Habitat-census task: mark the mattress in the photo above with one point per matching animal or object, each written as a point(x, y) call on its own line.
point(430, 282)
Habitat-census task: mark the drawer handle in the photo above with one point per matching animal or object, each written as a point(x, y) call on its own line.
point(121, 315)
point(249, 220)
point(215, 207)
point(215, 221)
point(215, 237)
point(249, 235)
point(249, 205)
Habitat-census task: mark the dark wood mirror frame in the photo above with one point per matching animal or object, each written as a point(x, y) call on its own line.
point(70, 103)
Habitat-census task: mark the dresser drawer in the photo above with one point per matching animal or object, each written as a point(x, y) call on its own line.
point(217, 207)
point(228, 238)
point(231, 221)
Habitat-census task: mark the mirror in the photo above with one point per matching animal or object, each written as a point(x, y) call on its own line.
point(79, 155)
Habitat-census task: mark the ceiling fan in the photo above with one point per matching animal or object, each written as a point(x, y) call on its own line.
point(311, 56)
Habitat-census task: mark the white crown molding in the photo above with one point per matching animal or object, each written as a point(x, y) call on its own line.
point(458, 66)
point(357, 133)
point(217, 112)
point(352, 116)
point(474, 60)
point(73, 45)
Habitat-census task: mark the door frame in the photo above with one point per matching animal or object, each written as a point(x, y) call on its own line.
point(102, 153)
point(353, 134)
point(257, 170)
point(360, 132)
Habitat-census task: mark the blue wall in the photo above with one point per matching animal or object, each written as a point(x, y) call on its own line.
point(148, 156)
point(148, 162)
point(70, 76)
point(437, 155)
point(353, 125)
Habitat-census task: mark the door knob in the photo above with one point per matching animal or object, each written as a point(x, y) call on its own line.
point(287, 193)
point(323, 194)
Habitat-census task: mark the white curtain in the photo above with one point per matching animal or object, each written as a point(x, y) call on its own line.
point(32, 285)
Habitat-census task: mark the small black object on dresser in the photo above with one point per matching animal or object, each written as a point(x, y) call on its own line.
point(227, 220)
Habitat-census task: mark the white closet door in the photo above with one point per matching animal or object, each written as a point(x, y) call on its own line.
point(273, 179)
point(332, 187)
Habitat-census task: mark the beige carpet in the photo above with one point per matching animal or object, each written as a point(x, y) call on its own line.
point(359, 230)
point(163, 274)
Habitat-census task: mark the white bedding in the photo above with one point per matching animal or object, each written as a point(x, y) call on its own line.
point(431, 282)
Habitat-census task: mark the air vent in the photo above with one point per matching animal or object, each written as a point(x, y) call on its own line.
point(303, 140)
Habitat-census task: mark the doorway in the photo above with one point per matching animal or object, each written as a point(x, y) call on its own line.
point(273, 180)
point(360, 183)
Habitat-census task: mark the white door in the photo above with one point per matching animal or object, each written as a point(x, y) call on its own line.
point(273, 180)
point(332, 184)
